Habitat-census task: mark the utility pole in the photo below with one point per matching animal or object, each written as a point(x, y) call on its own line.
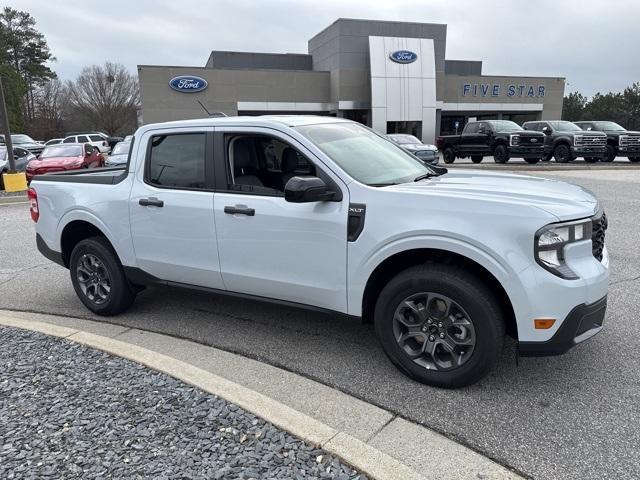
point(4, 127)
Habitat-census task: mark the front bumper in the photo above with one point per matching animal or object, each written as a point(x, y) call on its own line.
point(525, 151)
point(582, 323)
point(629, 151)
point(589, 151)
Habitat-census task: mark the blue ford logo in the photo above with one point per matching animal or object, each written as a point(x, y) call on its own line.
point(403, 56)
point(188, 83)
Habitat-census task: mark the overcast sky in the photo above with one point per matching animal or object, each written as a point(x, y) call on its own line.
point(595, 44)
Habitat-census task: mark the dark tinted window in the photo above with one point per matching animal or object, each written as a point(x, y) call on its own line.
point(70, 140)
point(96, 138)
point(177, 161)
point(82, 139)
point(471, 128)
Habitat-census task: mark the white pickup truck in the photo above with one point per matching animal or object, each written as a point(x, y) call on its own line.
point(325, 213)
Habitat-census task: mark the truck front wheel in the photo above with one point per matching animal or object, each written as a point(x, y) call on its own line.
point(439, 325)
point(98, 278)
point(610, 155)
point(562, 154)
point(448, 155)
point(501, 154)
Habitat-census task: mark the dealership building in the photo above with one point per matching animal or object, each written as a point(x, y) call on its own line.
point(392, 76)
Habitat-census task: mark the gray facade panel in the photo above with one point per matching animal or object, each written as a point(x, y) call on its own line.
point(252, 60)
point(463, 67)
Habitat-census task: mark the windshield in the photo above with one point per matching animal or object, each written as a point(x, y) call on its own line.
point(405, 139)
point(363, 154)
point(62, 151)
point(17, 139)
point(121, 149)
point(505, 126)
point(607, 126)
point(562, 126)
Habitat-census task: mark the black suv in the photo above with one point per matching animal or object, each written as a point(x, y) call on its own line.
point(565, 141)
point(620, 141)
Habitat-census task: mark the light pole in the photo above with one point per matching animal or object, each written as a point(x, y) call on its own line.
point(13, 181)
point(4, 125)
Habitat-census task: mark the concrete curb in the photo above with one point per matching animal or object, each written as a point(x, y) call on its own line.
point(13, 199)
point(374, 457)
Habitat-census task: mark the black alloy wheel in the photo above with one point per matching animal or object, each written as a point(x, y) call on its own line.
point(448, 155)
point(501, 154)
point(562, 153)
point(610, 156)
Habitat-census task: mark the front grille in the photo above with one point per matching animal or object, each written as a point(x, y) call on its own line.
point(599, 226)
point(532, 141)
point(630, 140)
point(591, 140)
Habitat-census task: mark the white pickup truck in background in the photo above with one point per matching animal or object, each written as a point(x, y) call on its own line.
point(325, 213)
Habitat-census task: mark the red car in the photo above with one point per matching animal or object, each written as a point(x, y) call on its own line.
point(62, 157)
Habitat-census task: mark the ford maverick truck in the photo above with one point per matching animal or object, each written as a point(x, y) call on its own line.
point(325, 213)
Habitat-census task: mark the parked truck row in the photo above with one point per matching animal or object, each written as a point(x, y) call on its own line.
point(541, 141)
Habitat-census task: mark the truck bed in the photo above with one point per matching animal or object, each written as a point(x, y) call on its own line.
point(104, 176)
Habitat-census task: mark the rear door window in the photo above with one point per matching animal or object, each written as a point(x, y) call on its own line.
point(177, 161)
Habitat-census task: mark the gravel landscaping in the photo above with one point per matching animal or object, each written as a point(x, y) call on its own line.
point(68, 411)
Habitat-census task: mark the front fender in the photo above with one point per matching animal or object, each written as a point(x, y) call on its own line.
point(360, 272)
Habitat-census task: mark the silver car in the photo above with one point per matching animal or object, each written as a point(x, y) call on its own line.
point(425, 152)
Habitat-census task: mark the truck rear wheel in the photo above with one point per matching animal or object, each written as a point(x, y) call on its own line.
point(448, 155)
point(439, 325)
point(476, 158)
point(98, 277)
point(501, 154)
point(562, 153)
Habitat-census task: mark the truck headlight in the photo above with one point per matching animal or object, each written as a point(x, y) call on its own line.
point(550, 243)
point(514, 139)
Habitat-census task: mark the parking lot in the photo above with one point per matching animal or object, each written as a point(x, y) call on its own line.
point(573, 416)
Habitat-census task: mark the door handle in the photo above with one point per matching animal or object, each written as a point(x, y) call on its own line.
point(237, 210)
point(151, 202)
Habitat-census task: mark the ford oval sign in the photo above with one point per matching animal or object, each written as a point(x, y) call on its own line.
point(188, 83)
point(403, 56)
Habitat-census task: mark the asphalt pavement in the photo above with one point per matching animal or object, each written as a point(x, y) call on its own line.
point(574, 416)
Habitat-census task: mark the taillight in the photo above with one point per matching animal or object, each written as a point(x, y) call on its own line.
point(33, 204)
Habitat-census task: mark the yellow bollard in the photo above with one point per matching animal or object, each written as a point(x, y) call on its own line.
point(15, 182)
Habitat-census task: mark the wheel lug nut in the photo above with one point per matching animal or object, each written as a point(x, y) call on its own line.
point(429, 321)
point(424, 328)
point(431, 338)
point(440, 325)
point(442, 335)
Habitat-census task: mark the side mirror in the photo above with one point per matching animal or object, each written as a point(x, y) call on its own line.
point(307, 189)
point(589, 129)
point(546, 130)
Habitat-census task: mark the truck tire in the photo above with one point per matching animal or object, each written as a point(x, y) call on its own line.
point(449, 156)
point(501, 154)
point(430, 316)
point(631, 159)
point(476, 158)
point(610, 155)
point(562, 153)
point(98, 277)
point(532, 160)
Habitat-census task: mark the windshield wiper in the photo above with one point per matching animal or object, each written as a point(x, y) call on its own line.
point(424, 176)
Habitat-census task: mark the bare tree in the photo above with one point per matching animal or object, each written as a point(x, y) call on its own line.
point(106, 97)
point(50, 103)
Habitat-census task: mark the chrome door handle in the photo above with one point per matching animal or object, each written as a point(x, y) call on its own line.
point(237, 210)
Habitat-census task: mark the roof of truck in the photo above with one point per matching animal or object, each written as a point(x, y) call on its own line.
point(256, 121)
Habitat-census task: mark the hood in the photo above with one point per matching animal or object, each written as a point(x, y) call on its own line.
point(54, 162)
point(523, 133)
point(563, 200)
point(419, 146)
